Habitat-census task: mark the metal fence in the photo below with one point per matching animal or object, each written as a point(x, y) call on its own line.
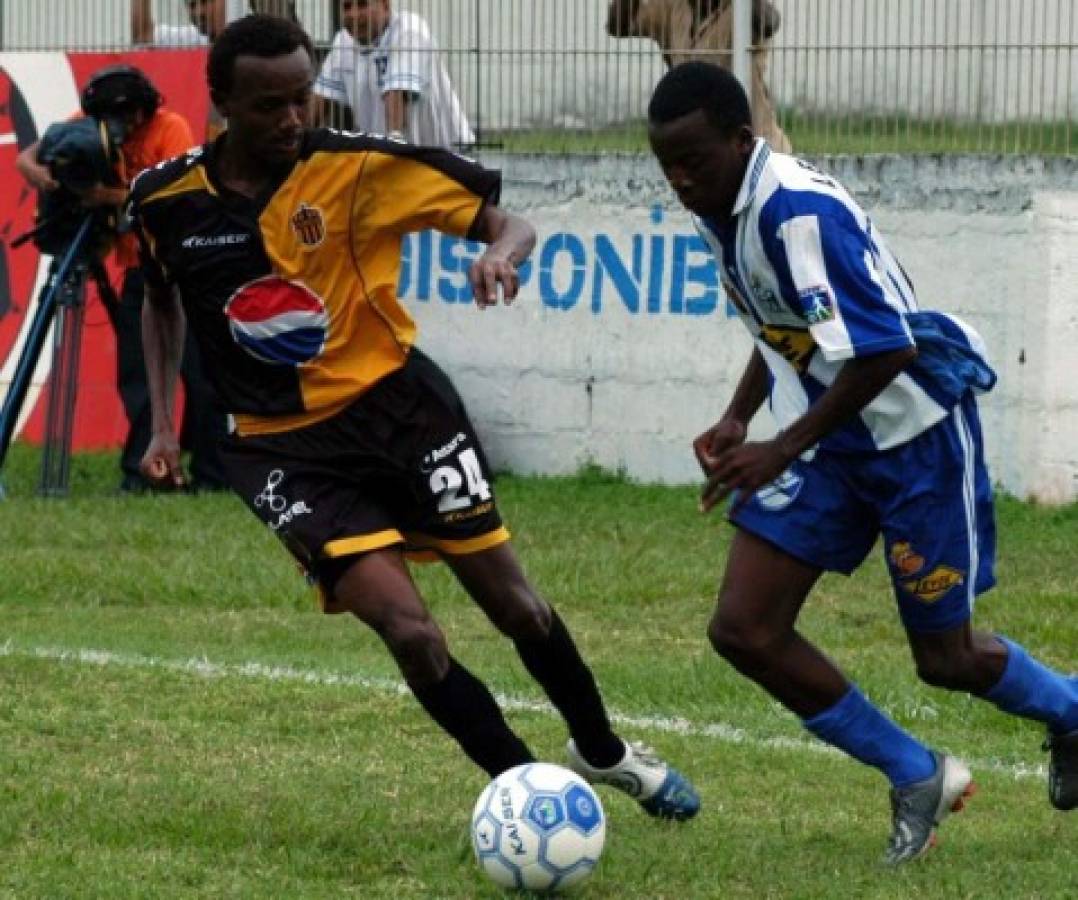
point(845, 75)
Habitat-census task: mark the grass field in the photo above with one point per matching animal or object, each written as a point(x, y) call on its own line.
point(177, 721)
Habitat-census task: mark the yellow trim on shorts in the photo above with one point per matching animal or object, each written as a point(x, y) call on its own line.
point(422, 546)
point(362, 543)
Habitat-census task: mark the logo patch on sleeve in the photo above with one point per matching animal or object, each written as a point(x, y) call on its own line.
point(817, 304)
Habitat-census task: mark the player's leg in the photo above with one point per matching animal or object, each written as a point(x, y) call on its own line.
point(753, 628)
point(131, 380)
point(495, 579)
point(318, 489)
point(940, 567)
point(1001, 671)
point(812, 519)
point(377, 589)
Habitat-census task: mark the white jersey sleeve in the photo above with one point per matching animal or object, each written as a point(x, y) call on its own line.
point(338, 70)
point(178, 36)
point(411, 53)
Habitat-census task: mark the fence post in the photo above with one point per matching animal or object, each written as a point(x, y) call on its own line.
point(742, 44)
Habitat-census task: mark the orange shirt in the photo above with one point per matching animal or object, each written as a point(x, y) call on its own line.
point(164, 136)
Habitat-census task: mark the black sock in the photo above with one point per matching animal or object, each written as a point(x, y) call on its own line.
point(556, 664)
point(463, 706)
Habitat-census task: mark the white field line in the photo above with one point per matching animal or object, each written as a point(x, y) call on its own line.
point(256, 671)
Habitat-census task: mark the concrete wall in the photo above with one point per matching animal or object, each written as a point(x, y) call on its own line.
point(621, 348)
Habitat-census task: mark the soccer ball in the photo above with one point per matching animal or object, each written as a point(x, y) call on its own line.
point(538, 827)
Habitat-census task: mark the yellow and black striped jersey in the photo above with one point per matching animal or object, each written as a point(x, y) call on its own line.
point(293, 295)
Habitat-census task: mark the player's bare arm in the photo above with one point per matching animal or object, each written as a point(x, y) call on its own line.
point(748, 467)
point(511, 241)
point(396, 104)
point(163, 327)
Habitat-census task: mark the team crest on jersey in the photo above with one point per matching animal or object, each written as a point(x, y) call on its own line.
point(781, 492)
point(277, 321)
point(309, 225)
point(905, 559)
point(929, 588)
point(817, 305)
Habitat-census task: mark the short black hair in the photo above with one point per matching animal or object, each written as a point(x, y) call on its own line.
point(255, 35)
point(704, 86)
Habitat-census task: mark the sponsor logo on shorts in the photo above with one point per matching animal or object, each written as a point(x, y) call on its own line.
point(781, 492)
point(905, 559)
point(462, 516)
point(931, 587)
point(445, 450)
point(277, 505)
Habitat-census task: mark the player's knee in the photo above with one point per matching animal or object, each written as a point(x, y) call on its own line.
point(734, 639)
point(523, 617)
point(418, 646)
point(950, 672)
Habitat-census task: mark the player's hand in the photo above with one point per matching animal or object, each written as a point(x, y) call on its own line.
point(490, 274)
point(745, 468)
point(718, 438)
point(160, 465)
point(39, 176)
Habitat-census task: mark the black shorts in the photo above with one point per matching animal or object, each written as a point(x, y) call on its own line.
point(400, 466)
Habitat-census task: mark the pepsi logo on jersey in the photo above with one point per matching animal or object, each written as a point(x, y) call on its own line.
point(278, 321)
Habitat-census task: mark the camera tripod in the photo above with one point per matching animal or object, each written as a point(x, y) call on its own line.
point(62, 301)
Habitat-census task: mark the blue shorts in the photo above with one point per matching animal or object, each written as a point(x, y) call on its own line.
point(930, 499)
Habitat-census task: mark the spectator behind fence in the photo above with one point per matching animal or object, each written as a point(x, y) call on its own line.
point(151, 134)
point(704, 30)
point(385, 69)
point(208, 19)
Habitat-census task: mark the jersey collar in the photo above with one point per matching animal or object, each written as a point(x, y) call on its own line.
point(760, 155)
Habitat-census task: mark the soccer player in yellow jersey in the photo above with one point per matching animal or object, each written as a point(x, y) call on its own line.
point(280, 246)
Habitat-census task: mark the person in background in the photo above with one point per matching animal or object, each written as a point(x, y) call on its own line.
point(704, 30)
point(208, 19)
point(152, 135)
point(384, 75)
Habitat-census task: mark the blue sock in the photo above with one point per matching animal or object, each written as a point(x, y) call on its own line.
point(1032, 690)
point(858, 728)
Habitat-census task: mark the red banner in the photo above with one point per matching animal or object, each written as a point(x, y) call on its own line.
point(35, 91)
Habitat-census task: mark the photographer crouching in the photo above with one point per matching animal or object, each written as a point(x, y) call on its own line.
point(87, 165)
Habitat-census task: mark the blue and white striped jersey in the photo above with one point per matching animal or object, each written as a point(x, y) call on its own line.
point(814, 282)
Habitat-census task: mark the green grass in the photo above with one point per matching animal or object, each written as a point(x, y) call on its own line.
point(827, 136)
point(229, 741)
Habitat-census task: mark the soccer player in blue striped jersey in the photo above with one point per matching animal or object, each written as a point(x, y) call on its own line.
point(878, 437)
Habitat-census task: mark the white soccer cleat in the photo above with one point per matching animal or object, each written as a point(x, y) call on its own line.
point(658, 787)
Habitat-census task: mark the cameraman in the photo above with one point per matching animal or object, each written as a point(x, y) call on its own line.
point(124, 100)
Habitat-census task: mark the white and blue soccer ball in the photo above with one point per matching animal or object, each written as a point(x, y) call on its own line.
point(538, 827)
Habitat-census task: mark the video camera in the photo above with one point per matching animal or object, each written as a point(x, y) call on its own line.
point(85, 152)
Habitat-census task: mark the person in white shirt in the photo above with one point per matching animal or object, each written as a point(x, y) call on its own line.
point(208, 18)
point(385, 68)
